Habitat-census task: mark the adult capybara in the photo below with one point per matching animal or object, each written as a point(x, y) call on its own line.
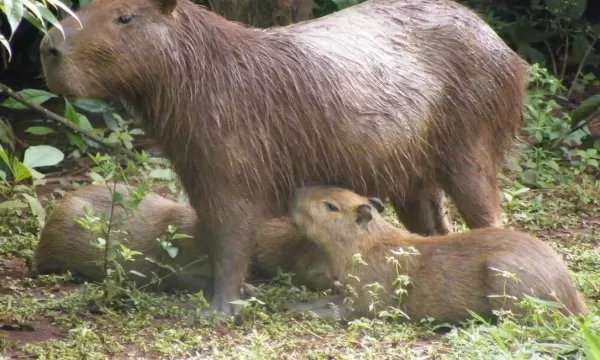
point(399, 99)
point(448, 274)
point(65, 245)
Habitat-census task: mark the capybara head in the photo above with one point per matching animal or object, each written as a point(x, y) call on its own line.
point(326, 213)
point(112, 37)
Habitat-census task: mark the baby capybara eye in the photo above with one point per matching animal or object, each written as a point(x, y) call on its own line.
point(330, 206)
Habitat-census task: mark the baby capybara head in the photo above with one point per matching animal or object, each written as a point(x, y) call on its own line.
point(107, 50)
point(326, 213)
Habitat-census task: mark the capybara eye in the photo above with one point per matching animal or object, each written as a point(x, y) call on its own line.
point(330, 206)
point(124, 19)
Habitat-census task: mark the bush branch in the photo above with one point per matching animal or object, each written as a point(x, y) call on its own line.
point(65, 122)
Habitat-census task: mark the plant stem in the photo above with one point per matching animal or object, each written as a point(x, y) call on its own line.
point(63, 121)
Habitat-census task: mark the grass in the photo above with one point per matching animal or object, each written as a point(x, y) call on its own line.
point(51, 318)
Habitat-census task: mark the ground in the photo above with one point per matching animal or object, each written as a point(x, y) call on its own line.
point(54, 318)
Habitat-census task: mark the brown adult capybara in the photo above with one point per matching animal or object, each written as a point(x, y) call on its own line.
point(65, 245)
point(449, 274)
point(394, 98)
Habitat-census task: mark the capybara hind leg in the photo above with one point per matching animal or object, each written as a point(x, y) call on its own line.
point(476, 195)
point(422, 211)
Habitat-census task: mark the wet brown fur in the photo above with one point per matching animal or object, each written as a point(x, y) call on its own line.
point(453, 272)
point(399, 99)
point(65, 245)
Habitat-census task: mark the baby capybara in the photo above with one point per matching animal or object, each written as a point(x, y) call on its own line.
point(448, 275)
point(66, 245)
point(405, 99)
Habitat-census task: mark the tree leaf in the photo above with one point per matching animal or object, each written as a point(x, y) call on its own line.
point(36, 209)
point(39, 130)
point(42, 155)
point(91, 105)
point(13, 9)
point(20, 171)
point(162, 174)
point(6, 45)
point(584, 110)
point(12, 204)
point(36, 96)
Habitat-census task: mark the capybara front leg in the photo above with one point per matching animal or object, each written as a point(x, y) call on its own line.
point(230, 246)
point(422, 211)
point(476, 195)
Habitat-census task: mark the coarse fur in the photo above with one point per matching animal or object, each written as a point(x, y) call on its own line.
point(65, 245)
point(405, 99)
point(448, 274)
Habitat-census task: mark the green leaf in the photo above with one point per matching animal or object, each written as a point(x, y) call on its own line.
point(42, 155)
point(13, 9)
point(39, 130)
point(12, 204)
point(97, 178)
point(91, 105)
point(589, 106)
point(34, 95)
point(6, 45)
point(20, 171)
point(553, 165)
point(172, 251)
point(36, 209)
point(76, 117)
point(136, 273)
point(162, 174)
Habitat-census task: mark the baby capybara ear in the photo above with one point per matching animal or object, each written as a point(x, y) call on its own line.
point(165, 6)
point(377, 204)
point(363, 214)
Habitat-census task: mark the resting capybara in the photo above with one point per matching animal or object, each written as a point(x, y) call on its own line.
point(449, 274)
point(65, 245)
point(393, 98)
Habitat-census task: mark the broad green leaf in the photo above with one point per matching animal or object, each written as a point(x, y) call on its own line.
point(586, 108)
point(42, 155)
point(91, 105)
point(172, 251)
point(39, 130)
point(76, 117)
point(12, 204)
point(20, 171)
point(36, 96)
point(97, 178)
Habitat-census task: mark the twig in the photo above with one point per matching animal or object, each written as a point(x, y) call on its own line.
point(580, 68)
point(565, 60)
point(63, 121)
point(552, 59)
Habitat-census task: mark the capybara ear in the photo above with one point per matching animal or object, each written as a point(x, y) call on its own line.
point(363, 214)
point(377, 203)
point(165, 6)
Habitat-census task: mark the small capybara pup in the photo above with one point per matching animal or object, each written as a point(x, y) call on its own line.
point(66, 245)
point(400, 99)
point(448, 274)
